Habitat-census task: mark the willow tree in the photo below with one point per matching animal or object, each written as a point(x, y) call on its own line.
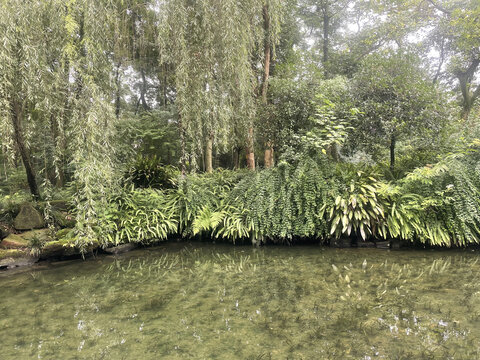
point(211, 45)
point(31, 94)
point(89, 55)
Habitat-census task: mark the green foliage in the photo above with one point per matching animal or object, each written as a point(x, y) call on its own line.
point(149, 172)
point(10, 204)
point(396, 105)
point(36, 244)
point(198, 195)
point(328, 130)
point(357, 209)
point(152, 133)
point(137, 215)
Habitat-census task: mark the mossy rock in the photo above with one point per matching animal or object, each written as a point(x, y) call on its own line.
point(28, 218)
point(59, 205)
point(14, 241)
point(42, 235)
point(11, 253)
point(58, 248)
point(64, 247)
point(63, 233)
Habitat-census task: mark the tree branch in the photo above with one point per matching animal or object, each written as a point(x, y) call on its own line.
point(439, 7)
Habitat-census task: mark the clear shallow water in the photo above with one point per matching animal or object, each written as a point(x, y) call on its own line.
point(181, 301)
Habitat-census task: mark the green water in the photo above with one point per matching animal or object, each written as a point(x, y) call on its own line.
point(181, 301)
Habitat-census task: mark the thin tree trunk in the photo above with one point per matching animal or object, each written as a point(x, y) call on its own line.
point(117, 94)
point(208, 155)
point(440, 62)
point(183, 154)
point(267, 53)
point(143, 91)
point(268, 155)
point(236, 157)
point(326, 25)
point(393, 141)
point(17, 118)
point(250, 153)
point(164, 86)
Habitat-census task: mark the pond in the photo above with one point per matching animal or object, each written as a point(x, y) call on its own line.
point(197, 301)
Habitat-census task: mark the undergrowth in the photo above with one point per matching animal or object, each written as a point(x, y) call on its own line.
point(309, 198)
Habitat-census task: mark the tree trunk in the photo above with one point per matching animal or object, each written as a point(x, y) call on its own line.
point(392, 152)
point(268, 156)
point(164, 86)
point(250, 153)
point(117, 90)
point(326, 25)
point(17, 118)
point(143, 91)
point(236, 157)
point(208, 155)
point(183, 153)
point(465, 79)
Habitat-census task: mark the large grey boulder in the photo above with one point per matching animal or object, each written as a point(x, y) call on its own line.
point(28, 218)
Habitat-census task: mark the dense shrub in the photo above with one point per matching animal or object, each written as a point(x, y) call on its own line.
point(307, 198)
point(148, 172)
point(137, 215)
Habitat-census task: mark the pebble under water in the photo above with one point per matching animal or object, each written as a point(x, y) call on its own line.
point(197, 301)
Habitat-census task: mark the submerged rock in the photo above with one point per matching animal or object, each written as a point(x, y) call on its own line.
point(28, 218)
point(14, 258)
point(365, 244)
point(121, 248)
point(341, 243)
point(382, 244)
point(395, 244)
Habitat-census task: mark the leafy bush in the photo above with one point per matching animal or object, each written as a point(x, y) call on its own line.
point(148, 172)
point(137, 215)
point(306, 198)
point(358, 209)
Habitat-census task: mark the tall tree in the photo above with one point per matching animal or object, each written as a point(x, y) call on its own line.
point(209, 44)
point(323, 19)
point(272, 17)
point(30, 71)
point(397, 102)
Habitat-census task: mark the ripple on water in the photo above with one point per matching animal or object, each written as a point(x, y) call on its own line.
point(222, 302)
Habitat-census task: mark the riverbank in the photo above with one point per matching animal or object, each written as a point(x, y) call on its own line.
point(27, 248)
